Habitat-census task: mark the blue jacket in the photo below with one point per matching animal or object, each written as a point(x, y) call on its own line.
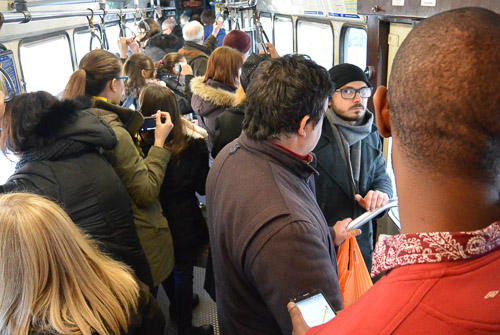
point(220, 35)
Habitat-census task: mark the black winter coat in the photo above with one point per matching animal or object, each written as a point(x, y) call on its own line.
point(228, 127)
point(333, 189)
point(185, 175)
point(69, 170)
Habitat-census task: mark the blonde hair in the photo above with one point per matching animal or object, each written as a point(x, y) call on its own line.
point(55, 280)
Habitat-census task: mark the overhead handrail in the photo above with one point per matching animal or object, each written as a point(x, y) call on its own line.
point(104, 37)
point(92, 30)
point(61, 14)
point(261, 34)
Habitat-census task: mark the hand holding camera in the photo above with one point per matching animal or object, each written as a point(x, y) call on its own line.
point(164, 126)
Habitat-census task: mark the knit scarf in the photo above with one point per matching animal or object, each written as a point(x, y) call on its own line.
point(59, 149)
point(349, 139)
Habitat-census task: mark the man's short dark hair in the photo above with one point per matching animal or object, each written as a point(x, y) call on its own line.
point(443, 94)
point(208, 17)
point(281, 93)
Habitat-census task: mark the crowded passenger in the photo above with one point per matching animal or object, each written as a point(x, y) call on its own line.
point(170, 27)
point(147, 28)
point(99, 82)
point(57, 144)
point(269, 239)
point(441, 273)
point(140, 70)
point(208, 21)
point(195, 52)
point(56, 281)
point(161, 44)
point(174, 70)
point(228, 124)
point(185, 176)
point(238, 40)
point(215, 92)
point(352, 170)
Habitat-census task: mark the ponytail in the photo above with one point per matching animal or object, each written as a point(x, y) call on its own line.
point(96, 69)
point(76, 85)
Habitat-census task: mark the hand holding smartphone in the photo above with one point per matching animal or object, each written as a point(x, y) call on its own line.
point(315, 308)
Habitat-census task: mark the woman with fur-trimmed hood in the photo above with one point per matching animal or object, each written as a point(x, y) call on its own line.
point(215, 92)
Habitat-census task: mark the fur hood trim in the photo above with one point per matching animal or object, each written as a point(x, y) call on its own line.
point(192, 130)
point(216, 96)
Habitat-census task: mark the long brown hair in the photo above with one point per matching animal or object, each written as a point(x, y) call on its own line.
point(154, 98)
point(224, 66)
point(168, 62)
point(133, 69)
point(55, 280)
point(95, 70)
point(154, 28)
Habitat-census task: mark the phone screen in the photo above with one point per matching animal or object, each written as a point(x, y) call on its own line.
point(315, 309)
point(149, 123)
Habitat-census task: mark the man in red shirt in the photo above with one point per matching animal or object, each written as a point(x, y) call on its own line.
point(442, 110)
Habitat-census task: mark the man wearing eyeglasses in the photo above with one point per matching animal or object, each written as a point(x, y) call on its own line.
point(352, 171)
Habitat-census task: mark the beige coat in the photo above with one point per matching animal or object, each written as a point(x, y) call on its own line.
point(142, 178)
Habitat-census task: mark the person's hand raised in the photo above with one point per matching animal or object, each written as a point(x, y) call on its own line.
point(164, 126)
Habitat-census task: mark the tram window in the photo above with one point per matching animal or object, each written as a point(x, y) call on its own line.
point(113, 35)
point(354, 40)
point(46, 64)
point(7, 166)
point(283, 35)
point(81, 39)
point(316, 40)
point(267, 25)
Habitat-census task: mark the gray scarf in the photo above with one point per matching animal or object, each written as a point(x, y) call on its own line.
point(349, 140)
point(60, 149)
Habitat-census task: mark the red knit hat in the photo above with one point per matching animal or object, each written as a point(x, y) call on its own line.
point(238, 40)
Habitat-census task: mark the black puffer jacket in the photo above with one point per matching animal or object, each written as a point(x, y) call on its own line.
point(70, 170)
point(185, 175)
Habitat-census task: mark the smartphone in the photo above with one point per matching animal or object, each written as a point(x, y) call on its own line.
point(315, 308)
point(177, 67)
point(149, 123)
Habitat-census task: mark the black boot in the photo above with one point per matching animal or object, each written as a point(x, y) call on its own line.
point(173, 312)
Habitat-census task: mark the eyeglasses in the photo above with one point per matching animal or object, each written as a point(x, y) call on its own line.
point(350, 93)
point(125, 80)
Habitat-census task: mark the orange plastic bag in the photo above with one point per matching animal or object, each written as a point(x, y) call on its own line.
point(354, 278)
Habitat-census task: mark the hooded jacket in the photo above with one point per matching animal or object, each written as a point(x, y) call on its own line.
point(197, 54)
point(142, 178)
point(209, 100)
point(69, 169)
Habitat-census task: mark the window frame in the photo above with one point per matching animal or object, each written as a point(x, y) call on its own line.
point(343, 33)
point(314, 20)
point(28, 40)
point(277, 16)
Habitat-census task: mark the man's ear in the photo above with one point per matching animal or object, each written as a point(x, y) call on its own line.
point(302, 126)
point(382, 111)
